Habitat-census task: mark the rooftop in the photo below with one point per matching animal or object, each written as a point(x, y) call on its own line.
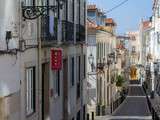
point(91, 24)
point(146, 24)
point(110, 21)
point(91, 7)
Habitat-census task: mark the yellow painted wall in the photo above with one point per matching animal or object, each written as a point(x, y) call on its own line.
point(133, 73)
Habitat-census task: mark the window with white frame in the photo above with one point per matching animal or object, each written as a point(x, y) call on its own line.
point(30, 90)
point(57, 83)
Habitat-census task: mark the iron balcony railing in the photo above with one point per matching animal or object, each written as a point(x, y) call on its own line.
point(77, 32)
point(67, 31)
point(80, 33)
point(49, 32)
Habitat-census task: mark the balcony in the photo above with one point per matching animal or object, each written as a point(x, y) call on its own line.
point(80, 33)
point(48, 34)
point(67, 31)
point(77, 32)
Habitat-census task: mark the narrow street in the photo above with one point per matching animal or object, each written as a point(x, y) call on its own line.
point(80, 59)
point(133, 108)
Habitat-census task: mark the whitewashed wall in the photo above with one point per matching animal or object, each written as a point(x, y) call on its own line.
point(9, 75)
point(9, 21)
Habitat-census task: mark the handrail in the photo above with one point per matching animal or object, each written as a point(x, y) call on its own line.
point(152, 110)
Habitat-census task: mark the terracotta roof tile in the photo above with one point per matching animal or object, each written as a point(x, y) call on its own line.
point(110, 21)
point(91, 24)
point(146, 25)
point(91, 7)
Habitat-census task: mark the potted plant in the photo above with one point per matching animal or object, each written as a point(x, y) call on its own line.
point(119, 81)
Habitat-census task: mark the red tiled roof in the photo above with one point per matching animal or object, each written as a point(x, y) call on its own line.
point(91, 24)
point(110, 21)
point(120, 46)
point(91, 7)
point(146, 25)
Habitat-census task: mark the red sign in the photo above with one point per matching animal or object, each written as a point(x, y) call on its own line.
point(56, 59)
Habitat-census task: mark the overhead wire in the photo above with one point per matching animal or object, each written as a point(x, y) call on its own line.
point(117, 6)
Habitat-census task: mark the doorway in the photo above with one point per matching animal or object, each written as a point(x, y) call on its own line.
point(45, 91)
point(65, 89)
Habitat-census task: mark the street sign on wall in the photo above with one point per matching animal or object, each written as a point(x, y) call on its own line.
point(56, 59)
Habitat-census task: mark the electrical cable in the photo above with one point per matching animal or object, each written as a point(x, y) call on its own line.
point(117, 6)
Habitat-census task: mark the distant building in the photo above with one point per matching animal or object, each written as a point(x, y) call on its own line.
point(91, 65)
point(146, 39)
point(135, 46)
point(102, 40)
point(96, 15)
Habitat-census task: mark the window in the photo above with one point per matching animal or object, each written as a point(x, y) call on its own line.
point(66, 10)
point(133, 49)
point(158, 12)
point(79, 68)
point(84, 67)
point(97, 50)
point(78, 11)
point(49, 24)
point(29, 2)
point(30, 89)
point(57, 83)
point(78, 76)
point(73, 10)
point(107, 95)
point(158, 37)
point(72, 71)
point(84, 12)
point(102, 50)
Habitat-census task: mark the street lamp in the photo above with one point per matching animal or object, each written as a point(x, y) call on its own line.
point(91, 61)
point(90, 58)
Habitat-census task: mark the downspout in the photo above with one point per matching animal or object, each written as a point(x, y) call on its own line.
point(39, 80)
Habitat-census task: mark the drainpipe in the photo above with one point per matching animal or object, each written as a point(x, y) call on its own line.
point(39, 68)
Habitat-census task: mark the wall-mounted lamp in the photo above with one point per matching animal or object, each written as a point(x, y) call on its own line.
point(8, 37)
point(91, 61)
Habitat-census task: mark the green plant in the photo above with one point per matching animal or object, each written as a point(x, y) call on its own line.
point(119, 81)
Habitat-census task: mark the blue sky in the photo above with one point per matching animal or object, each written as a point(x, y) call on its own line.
point(127, 16)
